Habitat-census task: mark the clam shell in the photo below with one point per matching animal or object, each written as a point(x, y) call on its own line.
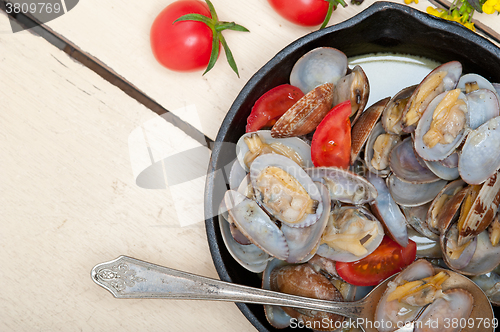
point(326, 251)
point(405, 165)
point(439, 151)
point(250, 256)
point(364, 126)
point(399, 312)
point(489, 283)
point(456, 305)
point(369, 153)
point(483, 209)
point(343, 185)
point(453, 71)
point(482, 106)
point(411, 194)
point(301, 148)
point(256, 225)
point(305, 115)
point(416, 217)
point(466, 256)
point(480, 156)
point(318, 66)
point(236, 175)
point(391, 118)
point(262, 162)
point(441, 171)
point(388, 212)
point(305, 241)
point(451, 161)
point(354, 87)
point(444, 217)
point(482, 82)
point(276, 316)
point(426, 248)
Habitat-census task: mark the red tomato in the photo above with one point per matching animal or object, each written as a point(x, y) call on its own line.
point(388, 259)
point(271, 105)
point(331, 143)
point(185, 45)
point(301, 12)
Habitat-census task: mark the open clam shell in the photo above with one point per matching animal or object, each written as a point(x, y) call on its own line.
point(426, 248)
point(397, 312)
point(344, 186)
point(364, 126)
point(318, 66)
point(276, 316)
point(256, 225)
point(411, 194)
point(250, 256)
point(293, 147)
point(354, 87)
point(440, 212)
point(393, 112)
point(284, 194)
point(382, 159)
point(405, 165)
point(305, 241)
point(443, 78)
point(477, 161)
point(439, 151)
point(416, 217)
point(352, 218)
point(482, 106)
point(388, 212)
point(470, 82)
point(441, 171)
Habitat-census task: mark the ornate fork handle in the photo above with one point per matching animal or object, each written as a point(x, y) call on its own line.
point(127, 277)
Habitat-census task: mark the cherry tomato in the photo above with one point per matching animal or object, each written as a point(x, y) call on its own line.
point(301, 12)
point(388, 259)
point(271, 105)
point(331, 143)
point(185, 45)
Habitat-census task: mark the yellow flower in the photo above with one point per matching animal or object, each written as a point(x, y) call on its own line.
point(490, 6)
point(410, 1)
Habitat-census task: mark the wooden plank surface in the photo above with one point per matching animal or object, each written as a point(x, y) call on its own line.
point(69, 200)
point(117, 33)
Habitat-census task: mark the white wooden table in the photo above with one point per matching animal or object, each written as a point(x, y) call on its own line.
point(70, 150)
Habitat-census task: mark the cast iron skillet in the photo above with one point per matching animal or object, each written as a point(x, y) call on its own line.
point(383, 27)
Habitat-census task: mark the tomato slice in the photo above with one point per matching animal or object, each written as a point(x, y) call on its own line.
point(271, 105)
point(331, 143)
point(388, 259)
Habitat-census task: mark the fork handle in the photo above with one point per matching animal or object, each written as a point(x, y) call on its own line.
point(127, 277)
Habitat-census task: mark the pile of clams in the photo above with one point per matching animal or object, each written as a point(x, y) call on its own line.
point(424, 166)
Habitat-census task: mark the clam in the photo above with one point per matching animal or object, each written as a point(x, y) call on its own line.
point(405, 165)
point(285, 190)
point(411, 194)
point(388, 212)
point(364, 126)
point(442, 127)
point(443, 78)
point(378, 148)
point(252, 145)
point(416, 217)
point(343, 185)
point(451, 161)
point(482, 106)
point(354, 87)
point(393, 112)
point(250, 256)
point(444, 206)
point(305, 115)
point(397, 312)
point(479, 158)
point(441, 171)
point(473, 82)
point(303, 280)
point(350, 235)
point(256, 225)
point(455, 305)
point(426, 247)
point(318, 66)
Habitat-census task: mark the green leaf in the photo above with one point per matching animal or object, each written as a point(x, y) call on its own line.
point(238, 27)
point(229, 55)
point(215, 51)
point(194, 17)
point(212, 10)
point(476, 4)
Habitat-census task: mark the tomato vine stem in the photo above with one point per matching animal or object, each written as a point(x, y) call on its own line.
point(217, 27)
